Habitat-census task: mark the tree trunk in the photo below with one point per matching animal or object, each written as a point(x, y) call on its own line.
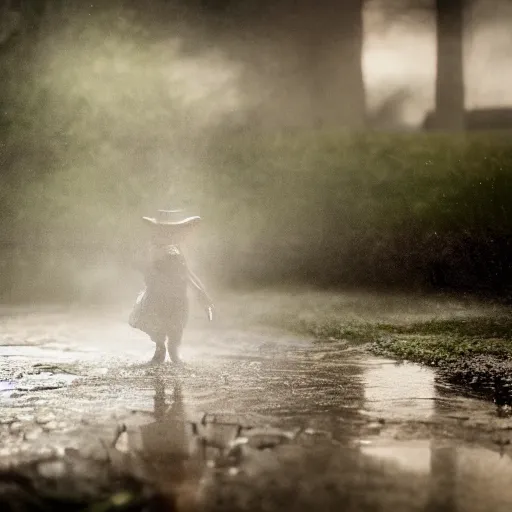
point(310, 75)
point(450, 68)
point(330, 50)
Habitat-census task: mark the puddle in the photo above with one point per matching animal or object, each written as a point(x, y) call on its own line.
point(408, 391)
point(168, 445)
point(428, 475)
point(311, 390)
point(455, 477)
point(399, 390)
point(169, 435)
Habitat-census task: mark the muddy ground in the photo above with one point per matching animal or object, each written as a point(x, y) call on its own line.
point(291, 423)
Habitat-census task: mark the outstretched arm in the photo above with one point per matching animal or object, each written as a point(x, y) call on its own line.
point(195, 281)
point(199, 286)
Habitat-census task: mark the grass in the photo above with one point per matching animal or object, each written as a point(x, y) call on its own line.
point(433, 342)
point(446, 341)
point(432, 329)
point(330, 208)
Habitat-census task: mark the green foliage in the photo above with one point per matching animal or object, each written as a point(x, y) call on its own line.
point(434, 342)
point(441, 341)
point(435, 350)
point(374, 208)
point(479, 327)
point(330, 328)
point(326, 209)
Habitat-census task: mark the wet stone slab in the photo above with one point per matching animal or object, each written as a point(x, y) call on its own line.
point(220, 464)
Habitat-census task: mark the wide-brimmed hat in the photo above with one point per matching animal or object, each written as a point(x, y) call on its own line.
point(172, 218)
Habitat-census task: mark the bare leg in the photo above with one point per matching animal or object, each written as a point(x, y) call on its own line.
point(159, 355)
point(174, 342)
point(175, 330)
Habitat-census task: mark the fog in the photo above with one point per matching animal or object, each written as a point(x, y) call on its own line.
point(113, 110)
point(124, 63)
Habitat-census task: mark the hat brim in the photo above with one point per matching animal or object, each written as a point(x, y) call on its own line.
point(183, 222)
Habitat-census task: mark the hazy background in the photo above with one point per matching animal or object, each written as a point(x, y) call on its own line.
point(292, 127)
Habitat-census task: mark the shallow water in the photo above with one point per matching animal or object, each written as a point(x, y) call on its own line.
point(379, 435)
point(453, 476)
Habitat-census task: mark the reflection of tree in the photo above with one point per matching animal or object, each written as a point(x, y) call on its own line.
point(442, 495)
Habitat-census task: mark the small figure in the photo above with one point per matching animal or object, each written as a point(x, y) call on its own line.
point(161, 310)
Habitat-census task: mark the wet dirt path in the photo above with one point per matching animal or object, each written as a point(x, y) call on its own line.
point(371, 433)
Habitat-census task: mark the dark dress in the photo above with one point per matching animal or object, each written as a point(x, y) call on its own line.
point(162, 307)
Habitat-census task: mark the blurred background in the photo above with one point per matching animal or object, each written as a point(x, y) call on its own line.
point(355, 143)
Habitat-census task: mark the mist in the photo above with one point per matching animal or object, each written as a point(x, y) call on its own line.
point(114, 110)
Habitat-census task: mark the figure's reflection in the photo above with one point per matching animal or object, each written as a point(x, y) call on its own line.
point(166, 446)
point(165, 441)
